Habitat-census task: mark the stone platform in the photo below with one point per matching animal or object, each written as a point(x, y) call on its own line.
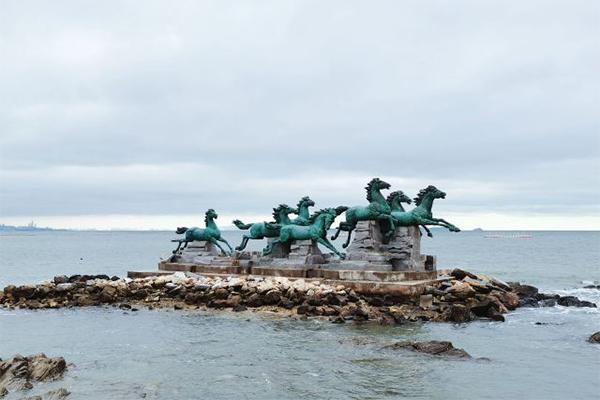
point(398, 283)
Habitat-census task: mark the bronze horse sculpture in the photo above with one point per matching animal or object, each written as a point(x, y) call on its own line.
point(210, 234)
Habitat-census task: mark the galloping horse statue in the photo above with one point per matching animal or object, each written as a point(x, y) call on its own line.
point(210, 234)
point(261, 230)
point(395, 200)
point(377, 210)
point(303, 213)
point(319, 222)
point(421, 215)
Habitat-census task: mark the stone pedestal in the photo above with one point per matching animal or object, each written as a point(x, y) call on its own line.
point(298, 254)
point(279, 250)
point(198, 252)
point(402, 253)
point(306, 251)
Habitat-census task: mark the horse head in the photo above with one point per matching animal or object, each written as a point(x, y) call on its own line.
point(432, 191)
point(210, 213)
point(306, 202)
point(398, 196)
point(373, 188)
point(282, 209)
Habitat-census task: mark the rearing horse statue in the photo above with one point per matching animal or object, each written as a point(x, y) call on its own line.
point(377, 210)
point(261, 230)
point(210, 234)
point(421, 215)
point(395, 200)
point(319, 222)
point(303, 213)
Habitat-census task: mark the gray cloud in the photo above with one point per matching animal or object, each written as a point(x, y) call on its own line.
point(119, 107)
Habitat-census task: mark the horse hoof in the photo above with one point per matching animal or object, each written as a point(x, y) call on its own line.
point(344, 245)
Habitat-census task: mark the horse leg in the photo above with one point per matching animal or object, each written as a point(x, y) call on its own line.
point(267, 250)
point(392, 226)
point(225, 241)
point(214, 241)
point(244, 243)
point(348, 238)
point(337, 233)
point(178, 246)
point(427, 221)
point(327, 244)
point(448, 225)
point(427, 230)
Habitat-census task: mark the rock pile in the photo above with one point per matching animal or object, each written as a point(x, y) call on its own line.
point(460, 298)
point(20, 373)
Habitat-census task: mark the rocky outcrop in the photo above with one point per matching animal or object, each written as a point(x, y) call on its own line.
point(460, 298)
point(529, 296)
point(20, 373)
point(432, 347)
point(595, 338)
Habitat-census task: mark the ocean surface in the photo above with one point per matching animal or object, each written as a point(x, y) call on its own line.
point(201, 355)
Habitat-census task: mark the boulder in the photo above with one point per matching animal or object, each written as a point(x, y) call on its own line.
point(524, 290)
point(432, 347)
point(572, 301)
point(595, 338)
point(459, 313)
point(461, 290)
point(20, 373)
point(460, 274)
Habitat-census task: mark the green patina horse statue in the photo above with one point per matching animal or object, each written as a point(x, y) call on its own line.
point(395, 200)
point(421, 215)
point(377, 210)
point(303, 213)
point(261, 230)
point(319, 222)
point(210, 234)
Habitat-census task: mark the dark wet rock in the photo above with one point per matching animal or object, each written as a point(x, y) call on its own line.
point(524, 290)
point(591, 287)
point(61, 279)
point(272, 297)
point(433, 347)
point(459, 313)
point(572, 301)
point(595, 338)
point(20, 373)
point(460, 274)
point(239, 308)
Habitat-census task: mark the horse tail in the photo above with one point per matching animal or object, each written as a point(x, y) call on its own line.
point(241, 225)
point(181, 230)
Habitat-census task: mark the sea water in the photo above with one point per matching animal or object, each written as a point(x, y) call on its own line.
point(538, 353)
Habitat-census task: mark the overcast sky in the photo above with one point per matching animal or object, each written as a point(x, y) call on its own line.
point(143, 114)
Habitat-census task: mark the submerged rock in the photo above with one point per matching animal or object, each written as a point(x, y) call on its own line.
point(432, 347)
point(20, 373)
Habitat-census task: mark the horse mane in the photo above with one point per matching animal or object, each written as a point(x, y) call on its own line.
point(398, 193)
point(206, 215)
point(422, 193)
point(369, 187)
point(302, 200)
point(313, 218)
point(276, 212)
